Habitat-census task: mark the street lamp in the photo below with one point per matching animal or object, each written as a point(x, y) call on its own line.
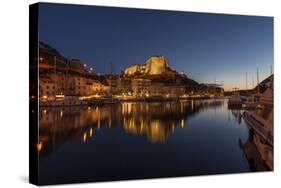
point(91, 69)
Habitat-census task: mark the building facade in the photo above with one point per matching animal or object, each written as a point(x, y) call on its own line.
point(47, 89)
point(140, 87)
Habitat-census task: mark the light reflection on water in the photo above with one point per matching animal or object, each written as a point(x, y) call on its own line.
point(121, 141)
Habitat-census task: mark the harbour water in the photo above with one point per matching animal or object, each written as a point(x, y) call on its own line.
point(135, 140)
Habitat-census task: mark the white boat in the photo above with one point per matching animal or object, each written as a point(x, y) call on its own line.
point(64, 101)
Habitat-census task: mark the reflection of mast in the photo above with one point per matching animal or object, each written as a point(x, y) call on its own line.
point(215, 111)
point(55, 130)
point(228, 115)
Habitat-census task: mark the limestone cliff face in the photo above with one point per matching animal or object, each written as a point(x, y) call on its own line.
point(156, 65)
point(153, 66)
point(131, 70)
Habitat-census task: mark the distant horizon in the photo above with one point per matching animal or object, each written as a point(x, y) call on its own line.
point(208, 48)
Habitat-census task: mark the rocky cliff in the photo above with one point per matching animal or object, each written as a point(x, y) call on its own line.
point(153, 66)
point(157, 69)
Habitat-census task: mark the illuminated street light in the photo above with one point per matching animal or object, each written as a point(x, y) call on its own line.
point(39, 146)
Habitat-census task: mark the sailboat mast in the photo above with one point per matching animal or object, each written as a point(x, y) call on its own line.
point(258, 82)
point(246, 81)
point(253, 82)
point(55, 73)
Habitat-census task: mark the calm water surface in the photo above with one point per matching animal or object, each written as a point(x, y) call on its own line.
point(141, 140)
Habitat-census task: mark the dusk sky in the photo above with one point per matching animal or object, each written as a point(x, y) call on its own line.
point(205, 46)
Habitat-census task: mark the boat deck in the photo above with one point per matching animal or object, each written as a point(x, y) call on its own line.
point(258, 127)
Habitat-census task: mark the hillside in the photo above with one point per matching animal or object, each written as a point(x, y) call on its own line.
point(158, 69)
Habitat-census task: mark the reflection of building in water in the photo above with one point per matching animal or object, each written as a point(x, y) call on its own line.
point(60, 124)
point(156, 121)
point(258, 152)
point(156, 131)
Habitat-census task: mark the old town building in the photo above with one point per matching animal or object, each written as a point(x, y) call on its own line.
point(140, 87)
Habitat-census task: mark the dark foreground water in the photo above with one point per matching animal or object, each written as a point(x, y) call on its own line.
point(141, 140)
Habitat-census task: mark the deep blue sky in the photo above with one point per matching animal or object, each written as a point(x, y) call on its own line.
point(205, 46)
